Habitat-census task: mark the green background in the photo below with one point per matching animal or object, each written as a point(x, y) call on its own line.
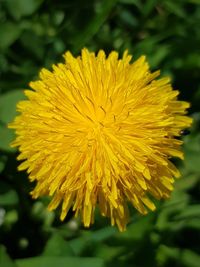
point(35, 33)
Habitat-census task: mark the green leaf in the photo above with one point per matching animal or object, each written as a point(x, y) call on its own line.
point(164, 253)
point(131, 2)
point(78, 244)
point(197, 2)
point(108, 252)
point(128, 18)
point(190, 258)
point(137, 229)
point(83, 37)
point(9, 198)
point(187, 182)
point(3, 160)
point(57, 246)
point(8, 103)
point(10, 218)
point(159, 55)
point(9, 33)
point(1, 166)
point(31, 42)
point(19, 8)
point(175, 8)
point(192, 153)
point(192, 160)
point(5, 260)
point(6, 137)
point(60, 261)
point(191, 211)
point(148, 7)
point(194, 223)
point(177, 203)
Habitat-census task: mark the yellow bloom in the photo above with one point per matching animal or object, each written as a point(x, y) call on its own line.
point(100, 131)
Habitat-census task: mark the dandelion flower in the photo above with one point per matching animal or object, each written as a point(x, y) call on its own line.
point(100, 131)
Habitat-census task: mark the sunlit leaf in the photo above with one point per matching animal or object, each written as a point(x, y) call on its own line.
point(60, 261)
point(57, 246)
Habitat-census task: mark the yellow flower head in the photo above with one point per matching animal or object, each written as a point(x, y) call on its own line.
point(100, 131)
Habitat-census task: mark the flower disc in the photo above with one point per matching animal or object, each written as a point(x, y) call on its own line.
point(100, 131)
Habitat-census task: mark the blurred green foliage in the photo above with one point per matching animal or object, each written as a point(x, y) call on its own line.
point(34, 34)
